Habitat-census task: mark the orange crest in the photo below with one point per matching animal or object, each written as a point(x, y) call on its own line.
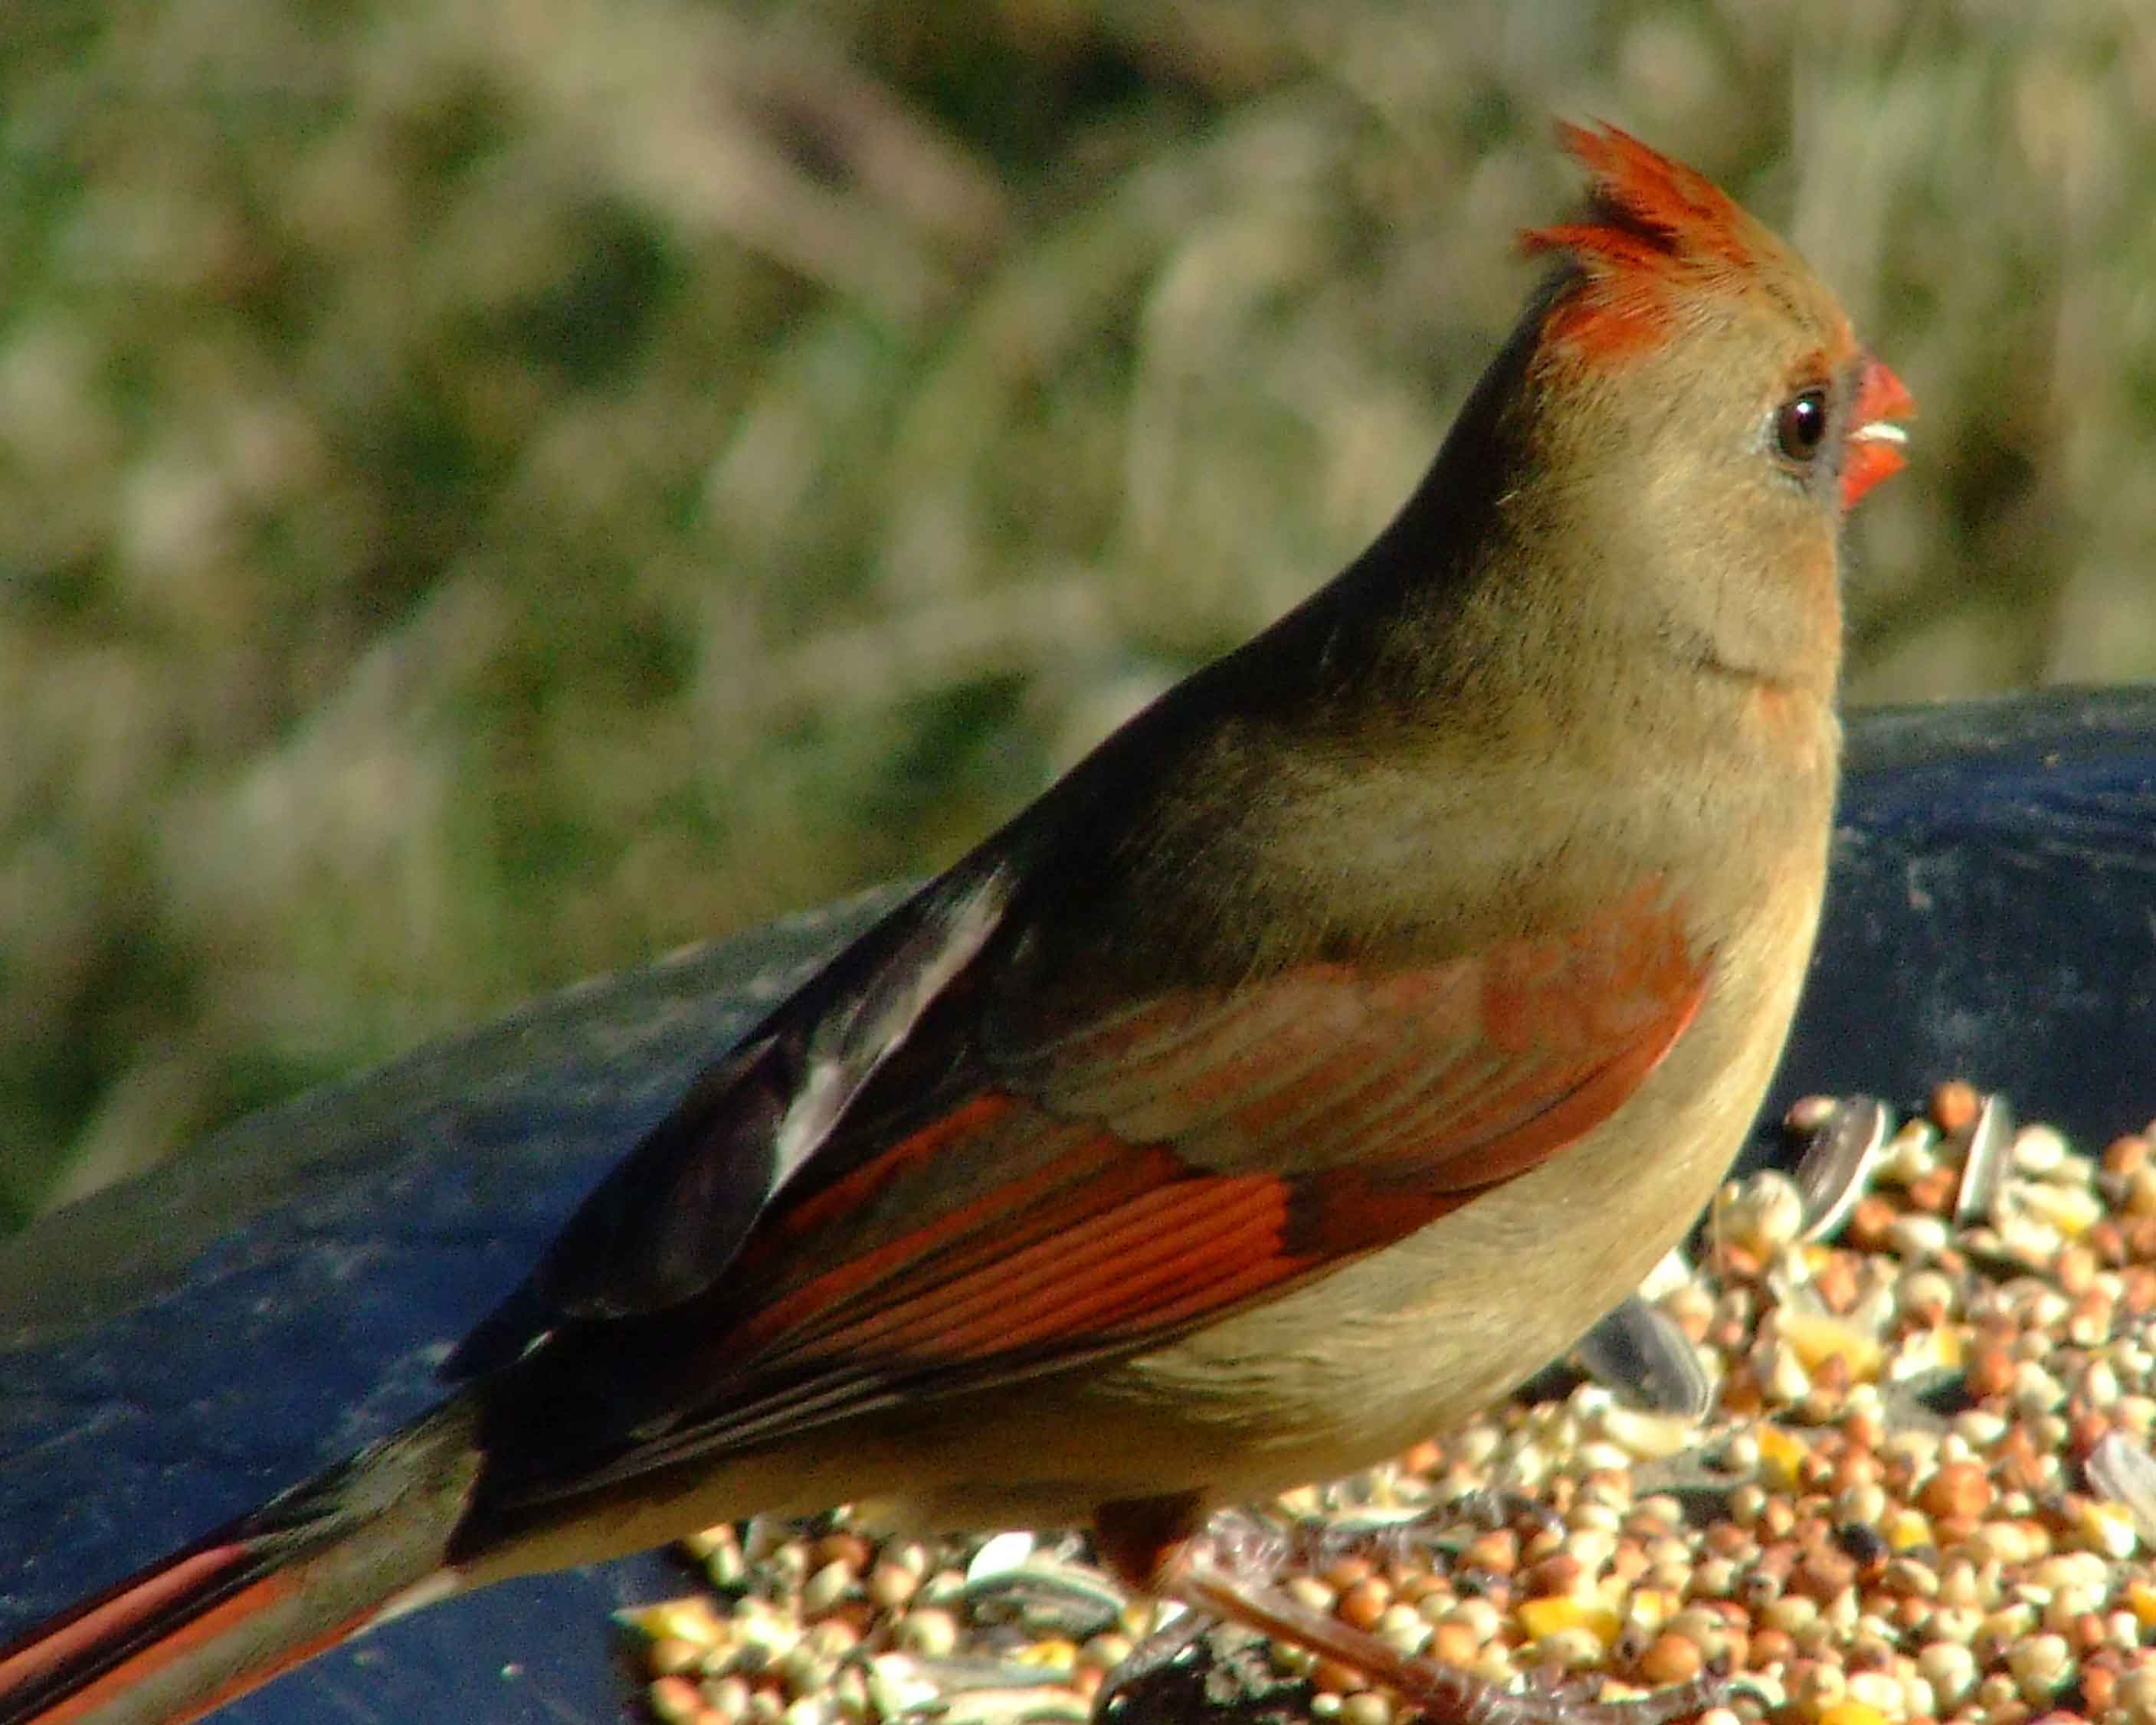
point(1653, 225)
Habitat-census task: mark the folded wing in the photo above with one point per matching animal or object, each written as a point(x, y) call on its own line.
point(1108, 1187)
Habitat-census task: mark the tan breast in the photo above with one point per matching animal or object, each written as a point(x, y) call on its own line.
point(1385, 1351)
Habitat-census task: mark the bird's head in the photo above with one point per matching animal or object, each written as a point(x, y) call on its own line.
point(1698, 398)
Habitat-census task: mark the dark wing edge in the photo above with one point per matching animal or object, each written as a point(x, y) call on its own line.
point(669, 1218)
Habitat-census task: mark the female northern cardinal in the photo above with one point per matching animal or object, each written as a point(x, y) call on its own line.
point(1324, 1054)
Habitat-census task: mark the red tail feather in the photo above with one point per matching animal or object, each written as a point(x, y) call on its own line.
point(258, 1596)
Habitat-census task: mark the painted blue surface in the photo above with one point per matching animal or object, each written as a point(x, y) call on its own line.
point(176, 1351)
point(1992, 911)
point(173, 1352)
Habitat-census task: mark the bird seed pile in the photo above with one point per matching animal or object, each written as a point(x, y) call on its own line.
point(1923, 1490)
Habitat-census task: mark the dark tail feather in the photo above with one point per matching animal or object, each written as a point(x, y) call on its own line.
point(254, 1598)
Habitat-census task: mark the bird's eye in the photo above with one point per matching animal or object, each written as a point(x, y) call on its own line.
point(1800, 424)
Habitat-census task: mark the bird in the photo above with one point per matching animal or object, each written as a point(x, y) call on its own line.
point(1327, 1050)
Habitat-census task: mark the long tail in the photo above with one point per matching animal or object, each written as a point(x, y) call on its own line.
point(359, 1542)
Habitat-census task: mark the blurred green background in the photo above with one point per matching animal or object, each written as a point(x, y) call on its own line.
point(490, 493)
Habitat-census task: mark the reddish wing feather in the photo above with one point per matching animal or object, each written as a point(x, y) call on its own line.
point(1212, 1147)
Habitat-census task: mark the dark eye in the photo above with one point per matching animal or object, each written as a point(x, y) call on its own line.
point(1800, 424)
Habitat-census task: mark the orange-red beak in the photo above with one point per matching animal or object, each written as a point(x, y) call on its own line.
point(1876, 441)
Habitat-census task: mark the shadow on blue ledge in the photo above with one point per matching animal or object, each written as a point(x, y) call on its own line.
point(173, 1351)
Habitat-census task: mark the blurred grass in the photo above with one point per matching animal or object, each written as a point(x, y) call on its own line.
point(488, 494)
